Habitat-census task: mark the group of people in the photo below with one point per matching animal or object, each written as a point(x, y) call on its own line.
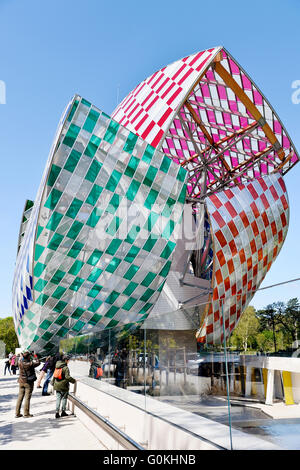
point(55, 367)
point(11, 363)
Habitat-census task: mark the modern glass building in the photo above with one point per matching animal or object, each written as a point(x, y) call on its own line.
point(175, 205)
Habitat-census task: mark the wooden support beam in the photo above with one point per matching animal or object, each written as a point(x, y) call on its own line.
point(199, 123)
point(239, 92)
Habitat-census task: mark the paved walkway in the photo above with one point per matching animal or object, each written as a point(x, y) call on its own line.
point(43, 431)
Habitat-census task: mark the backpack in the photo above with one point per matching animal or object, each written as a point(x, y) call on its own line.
point(58, 374)
point(99, 372)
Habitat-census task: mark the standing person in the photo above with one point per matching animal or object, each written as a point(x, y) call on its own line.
point(13, 364)
point(95, 370)
point(26, 380)
point(50, 369)
point(61, 383)
point(7, 365)
point(42, 373)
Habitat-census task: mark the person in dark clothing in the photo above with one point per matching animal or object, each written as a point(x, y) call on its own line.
point(61, 383)
point(95, 367)
point(120, 361)
point(50, 369)
point(7, 366)
point(26, 383)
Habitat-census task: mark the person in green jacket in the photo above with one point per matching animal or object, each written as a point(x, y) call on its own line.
point(61, 383)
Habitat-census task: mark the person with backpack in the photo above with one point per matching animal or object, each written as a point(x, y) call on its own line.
point(26, 382)
point(61, 383)
point(95, 370)
point(50, 367)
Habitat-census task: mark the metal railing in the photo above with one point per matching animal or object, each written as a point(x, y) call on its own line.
point(117, 434)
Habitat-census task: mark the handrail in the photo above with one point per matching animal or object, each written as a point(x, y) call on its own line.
point(121, 437)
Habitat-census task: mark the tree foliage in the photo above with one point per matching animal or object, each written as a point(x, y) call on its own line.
point(8, 334)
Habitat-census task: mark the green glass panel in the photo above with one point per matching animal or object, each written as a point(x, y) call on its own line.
point(40, 284)
point(78, 312)
point(150, 242)
point(74, 107)
point(113, 180)
point(133, 189)
point(113, 265)
point(132, 234)
point(95, 318)
point(112, 311)
point(62, 332)
point(86, 103)
point(150, 176)
point(49, 346)
point(168, 250)
point(151, 221)
point(131, 254)
point(114, 245)
point(132, 166)
point(75, 250)
point(61, 319)
point(130, 288)
point(111, 132)
point(42, 299)
point(53, 199)
point(146, 296)
point(94, 274)
point(94, 195)
point(112, 297)
point(148, 154)
point(129, 303)
point(76, 284)
point(71, 135)
point(145, 308)
point(46, 336)
point(131, 272)
point(94, 217)
point(168, 229)
point(182, 195)
point(148, 279)
point(72, 161)
point(91, 120)
point(165, 269)
point(54, 221)
point(39, 231)
point(55, 241)
point(130, 142)
point(75, 229)
point(93, 170)
point(59, 292)
point(57, 277)
point(113, 204)
point(94, 258)
point(36, 338)
point(151, 198)
point(114, 226)
point(38, 251)
point(165, 165)
point(76, 267)
point(181, 175)
point(95, 305)
point(38, 269)
point(78, 326)
point(74, 208)
point(95, 291)
point(112, 324)
point(54, 172)
point(92, 146)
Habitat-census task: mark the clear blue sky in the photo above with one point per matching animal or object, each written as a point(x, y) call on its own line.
point(53, 49)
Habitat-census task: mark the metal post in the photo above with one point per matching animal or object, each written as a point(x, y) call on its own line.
point(227, 378)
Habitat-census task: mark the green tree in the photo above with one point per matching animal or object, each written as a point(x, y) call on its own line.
point(244, 335)
point(8, 334)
